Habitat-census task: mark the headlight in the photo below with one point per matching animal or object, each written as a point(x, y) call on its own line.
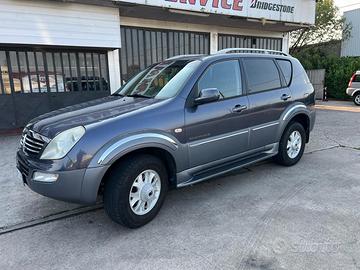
point(62, 143)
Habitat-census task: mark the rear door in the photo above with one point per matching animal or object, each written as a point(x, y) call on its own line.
point(219, 129)
point(269, 96)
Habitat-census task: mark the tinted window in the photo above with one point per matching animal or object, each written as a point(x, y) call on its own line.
point(262, 74)
point(225, 76)
point(356, 78)
point(286, 69)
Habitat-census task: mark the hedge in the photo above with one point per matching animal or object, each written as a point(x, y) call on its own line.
point(338, 70)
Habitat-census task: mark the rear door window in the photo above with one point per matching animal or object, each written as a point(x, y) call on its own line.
point(261, 74)
point(286, 69)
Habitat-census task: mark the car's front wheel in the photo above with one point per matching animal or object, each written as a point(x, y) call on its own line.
point(357, 99)
point(292, 145)
point(135, 190)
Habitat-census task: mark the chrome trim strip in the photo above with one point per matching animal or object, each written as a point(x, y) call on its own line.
point(131, 138)
point(292, 109)
point(32, 146)
point(218, 139)
point(265, 126)
point(32, 141)
point(31, 150)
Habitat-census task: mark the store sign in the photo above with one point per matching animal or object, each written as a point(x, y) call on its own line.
point(272, 6)
point(293, 11)
point(215, 4)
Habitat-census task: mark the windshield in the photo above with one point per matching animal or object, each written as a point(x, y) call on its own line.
point(161, 81)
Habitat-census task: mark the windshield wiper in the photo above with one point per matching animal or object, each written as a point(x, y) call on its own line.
point(118, 94)
point(138, 95)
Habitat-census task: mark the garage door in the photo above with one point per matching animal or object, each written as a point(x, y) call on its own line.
point(34, 81)
point(142, 47)
point(236, 41)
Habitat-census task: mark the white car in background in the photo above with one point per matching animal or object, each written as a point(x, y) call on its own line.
point(353, 89)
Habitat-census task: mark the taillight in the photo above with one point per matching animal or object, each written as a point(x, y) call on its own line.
point(351, 80)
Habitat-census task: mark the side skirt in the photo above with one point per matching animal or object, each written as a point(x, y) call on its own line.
point(226, 167)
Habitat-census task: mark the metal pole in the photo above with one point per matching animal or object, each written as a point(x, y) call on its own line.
point(325, 98)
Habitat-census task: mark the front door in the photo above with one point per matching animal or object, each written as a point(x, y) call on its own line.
point(219, 129)
point(268, 97)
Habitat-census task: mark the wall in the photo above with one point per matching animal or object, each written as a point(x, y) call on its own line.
point(213, 30)
point(56, 23)
point(351, 47)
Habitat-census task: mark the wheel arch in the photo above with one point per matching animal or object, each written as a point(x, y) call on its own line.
point(356, 92)
point(298, 113)
point(300, 117)
point(304, 120)
point(164, 155)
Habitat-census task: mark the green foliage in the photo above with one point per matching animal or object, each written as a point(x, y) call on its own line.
point(329, 25)
point(338, 69)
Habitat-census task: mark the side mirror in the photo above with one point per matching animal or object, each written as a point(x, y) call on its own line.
point(207, 95)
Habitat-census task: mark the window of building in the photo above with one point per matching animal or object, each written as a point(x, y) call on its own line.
point(237, 41)
point(52, 70)
point(142, 47)
point(224, 76)
point(286, 69)
point(262, 74)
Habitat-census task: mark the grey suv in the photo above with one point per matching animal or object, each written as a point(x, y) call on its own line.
point(176, 123)
point(353, 89)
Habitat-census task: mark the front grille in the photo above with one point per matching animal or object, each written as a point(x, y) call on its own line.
point(23, 168)
point(32, 143)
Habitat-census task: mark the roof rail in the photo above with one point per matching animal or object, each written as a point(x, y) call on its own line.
point(182, 55)
point(250, 50)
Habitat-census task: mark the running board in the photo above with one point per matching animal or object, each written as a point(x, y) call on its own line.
point(225, 168)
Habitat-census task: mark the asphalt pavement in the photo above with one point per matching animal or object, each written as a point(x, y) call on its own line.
point(262, 217)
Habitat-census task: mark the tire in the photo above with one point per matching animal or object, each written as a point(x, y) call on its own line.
point(356, 99)
point(125, 178)
point(291, 157)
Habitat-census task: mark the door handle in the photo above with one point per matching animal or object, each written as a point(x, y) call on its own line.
point(239, 108)
point(285, 97)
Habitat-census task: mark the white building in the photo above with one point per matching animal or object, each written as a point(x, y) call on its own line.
point(60, 52)
point(351, 46)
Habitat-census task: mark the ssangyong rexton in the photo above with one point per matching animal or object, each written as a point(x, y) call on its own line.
point(176, 123)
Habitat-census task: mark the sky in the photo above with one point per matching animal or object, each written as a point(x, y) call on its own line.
point(345, 5)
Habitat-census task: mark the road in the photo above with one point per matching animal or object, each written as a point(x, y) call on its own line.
point(262, 217)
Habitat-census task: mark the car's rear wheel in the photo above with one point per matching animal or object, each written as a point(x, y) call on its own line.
point(135, 190)
point(292, 145)
point(357, 99)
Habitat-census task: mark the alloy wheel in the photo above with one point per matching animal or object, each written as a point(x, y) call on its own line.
point(145, 192)
point(294, 144)
point(357, 99)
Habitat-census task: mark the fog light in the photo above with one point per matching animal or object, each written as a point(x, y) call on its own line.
point(45, 177)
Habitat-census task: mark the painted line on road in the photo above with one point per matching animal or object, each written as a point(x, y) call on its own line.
point(49, 218)
point(337, 108)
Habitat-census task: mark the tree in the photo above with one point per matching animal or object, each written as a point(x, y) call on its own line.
point(329, 25)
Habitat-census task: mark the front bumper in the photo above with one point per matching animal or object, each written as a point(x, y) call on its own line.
point(76, 186)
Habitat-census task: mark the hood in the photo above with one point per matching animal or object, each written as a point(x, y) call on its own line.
point(50, 124)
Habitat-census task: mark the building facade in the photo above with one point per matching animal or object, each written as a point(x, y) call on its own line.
point(58, 53)
point(351, 46)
